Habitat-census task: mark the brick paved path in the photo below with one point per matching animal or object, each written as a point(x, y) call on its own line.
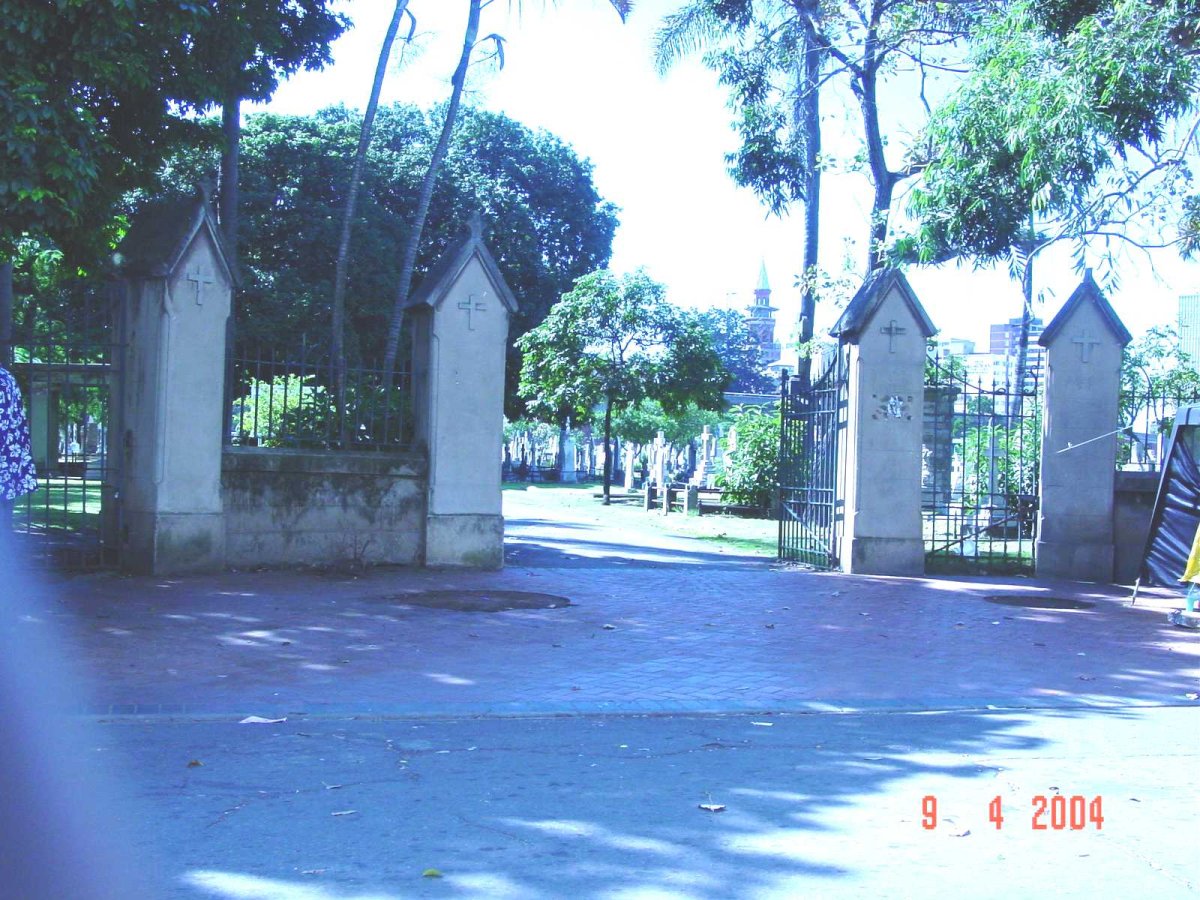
point(674, 626)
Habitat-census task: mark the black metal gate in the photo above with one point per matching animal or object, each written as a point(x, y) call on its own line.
point(979, 473)
point(812, 417)
point(65, 357)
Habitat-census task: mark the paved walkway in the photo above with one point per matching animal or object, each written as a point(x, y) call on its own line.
point(671, 627)
point(423, 736)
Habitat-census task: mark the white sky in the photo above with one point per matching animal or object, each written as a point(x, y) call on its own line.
point(658, 147)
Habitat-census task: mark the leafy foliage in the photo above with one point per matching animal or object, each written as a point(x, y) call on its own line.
point(612, 342)
point(738, 349)
point(548, 225)
point(1068, 114)
point(94, 95)
point(751, 473)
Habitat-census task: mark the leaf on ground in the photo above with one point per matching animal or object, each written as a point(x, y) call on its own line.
point(259, 720)
point(713, 807)
point(1192, 696)
point(345, 812)
point(194, 764)
point(764, 724)
point(609, 627)
point(431, 873)
point(332, 787)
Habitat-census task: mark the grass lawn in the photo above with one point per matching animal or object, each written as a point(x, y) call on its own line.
point(60, 505)
point(743, 536)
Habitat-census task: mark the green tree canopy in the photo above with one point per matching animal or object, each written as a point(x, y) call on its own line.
point(1071, 113)
point(739, 351)
point(612, 342)
point(94, 95)
point(547, 223)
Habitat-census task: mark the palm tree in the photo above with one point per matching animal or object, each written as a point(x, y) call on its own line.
point(343, 254)
point(412, 244)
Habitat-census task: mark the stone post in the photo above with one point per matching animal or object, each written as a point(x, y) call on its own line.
point(1079, 449)
point(460, 317)
point(885, 328)
point(629, 461)
point(170, 425)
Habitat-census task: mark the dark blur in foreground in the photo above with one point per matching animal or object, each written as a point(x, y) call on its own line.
point(60, 823)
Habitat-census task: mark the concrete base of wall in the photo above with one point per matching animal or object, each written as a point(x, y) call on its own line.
point(473, 541)
point(1081, 561)
point(884, 556)
point(174, 543)
point(1133, 507)
point(285, 507)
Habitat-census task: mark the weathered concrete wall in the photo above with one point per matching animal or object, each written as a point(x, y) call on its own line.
point(1133, 505)
point(285, 507)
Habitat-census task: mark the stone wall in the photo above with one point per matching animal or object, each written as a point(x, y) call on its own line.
point(287, 507)
point(1133, 505)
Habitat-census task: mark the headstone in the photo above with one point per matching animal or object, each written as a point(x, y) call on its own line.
point(172, 418)
point(886, 329)
point(659, 461)
point(1079, 451)
point(570, 466)
point(460, 316)
point(629, 460)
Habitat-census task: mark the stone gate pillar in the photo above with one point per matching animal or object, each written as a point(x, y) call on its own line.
point(885, 328)
point(171, 419)
point(460, 332)
point(1079, 449)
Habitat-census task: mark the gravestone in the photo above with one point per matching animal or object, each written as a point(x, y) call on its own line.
point(885, 328)
point(460, 316)
point(570, 473)
point(171, 419)
point(1079, 449)
point(629, 461)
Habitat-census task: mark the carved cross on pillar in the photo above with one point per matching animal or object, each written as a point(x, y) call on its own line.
point(472, 305)
point(199, 279)
point(892, 330)
point(1086, 342)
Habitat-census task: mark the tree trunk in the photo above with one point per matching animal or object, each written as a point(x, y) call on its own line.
point(883, 179)
point(1026, 323)
point(809, 118)
point(227, 202)
point(607, 450)
point(418, 225)
point(338, 315)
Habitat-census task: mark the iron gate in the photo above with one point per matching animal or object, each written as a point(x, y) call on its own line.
point(812, 417)
point(979, 472)
point(65, 357)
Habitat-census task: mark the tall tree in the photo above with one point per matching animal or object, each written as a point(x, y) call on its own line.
point(457, 83)
point(548, 224)
point(343, 253)
point(773, 67)
point(1080, 115)
point(613, 342)
point(241, 51)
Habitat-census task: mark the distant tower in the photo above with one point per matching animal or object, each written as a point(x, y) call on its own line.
point(760, 319)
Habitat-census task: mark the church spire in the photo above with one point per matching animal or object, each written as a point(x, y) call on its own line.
point(763, 285)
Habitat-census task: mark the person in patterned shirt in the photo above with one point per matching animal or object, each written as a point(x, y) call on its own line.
point(17, 474)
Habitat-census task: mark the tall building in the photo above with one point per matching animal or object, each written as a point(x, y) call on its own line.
point(1005, 342)
point(1189, 327)
point(760, 319)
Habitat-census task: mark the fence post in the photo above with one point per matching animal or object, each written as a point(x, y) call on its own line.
point(886, 329)
point(460, 315)
point(1079, 447)
point(175, 315)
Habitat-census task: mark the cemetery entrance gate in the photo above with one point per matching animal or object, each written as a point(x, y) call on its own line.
point(979, 473)
point(65, 355)
point(812, 418)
